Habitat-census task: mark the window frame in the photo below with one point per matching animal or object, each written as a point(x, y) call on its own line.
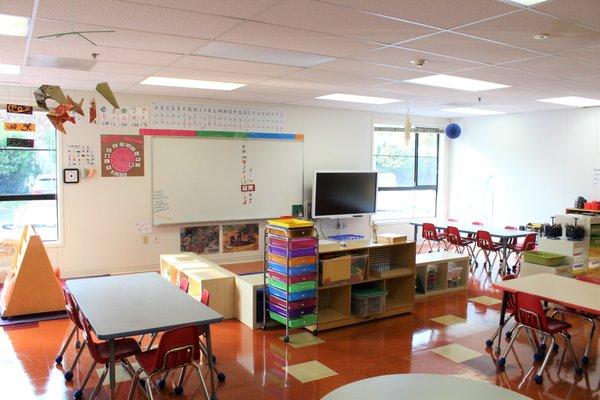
point(415, 186)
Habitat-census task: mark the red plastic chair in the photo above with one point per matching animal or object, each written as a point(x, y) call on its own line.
point(591, 318)
point(73, 313)
point(488, 247)
point(510, 310)
point(177, 349)
point(430, 235)
point(100, 355)
point(526, 245)
point(531, 316)
point(461, 243)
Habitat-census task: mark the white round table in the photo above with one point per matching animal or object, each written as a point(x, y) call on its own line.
point(421, 387)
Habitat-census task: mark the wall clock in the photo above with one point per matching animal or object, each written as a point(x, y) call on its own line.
point(71, 175)
point(122, 155)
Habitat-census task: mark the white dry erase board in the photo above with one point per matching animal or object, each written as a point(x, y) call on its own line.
point(198, 179)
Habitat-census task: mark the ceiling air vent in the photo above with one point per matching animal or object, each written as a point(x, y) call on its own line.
point(60, 62)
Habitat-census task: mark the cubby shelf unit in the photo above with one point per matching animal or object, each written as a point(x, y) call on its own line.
point(451, 273)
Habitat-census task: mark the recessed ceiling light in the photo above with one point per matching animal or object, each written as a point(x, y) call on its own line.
point(243, 52)
point(10, 69)
point(352, 98)
point(456, 82)
point(13, 25)
point(190, 83)
point(471, 111)
point(574, 101)
point(526, 3)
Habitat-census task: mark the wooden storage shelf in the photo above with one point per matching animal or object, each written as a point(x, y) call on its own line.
point(443, 262)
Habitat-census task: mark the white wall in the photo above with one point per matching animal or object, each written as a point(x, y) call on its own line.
point(515, 169)
point(99, 215)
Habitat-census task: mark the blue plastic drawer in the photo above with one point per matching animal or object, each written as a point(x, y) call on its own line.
point(293, 271)
point(305, 294)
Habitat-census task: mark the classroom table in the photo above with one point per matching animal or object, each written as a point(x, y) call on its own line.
point(551, 288)
point(135, 304)
point(421, 387)
point(505, 235)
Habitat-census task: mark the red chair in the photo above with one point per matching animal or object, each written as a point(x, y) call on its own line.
point(431, 235)
point(461, 243)
point(591, 318)
point(526, 245)
point(177, 349)
point(488, 246)
point(510, 310)
point(531, 316)
point(72, 312)
point(99, 352)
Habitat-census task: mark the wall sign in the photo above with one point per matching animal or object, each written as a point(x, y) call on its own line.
point(19, 126)
point(19, 109)
point(122, 155)
point(19, 142)
point(80, 155)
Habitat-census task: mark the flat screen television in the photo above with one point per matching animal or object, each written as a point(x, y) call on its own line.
point(338, 194)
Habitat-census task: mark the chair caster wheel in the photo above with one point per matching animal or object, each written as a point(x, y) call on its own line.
point(489, 343)
point(178, 390)
point(213, 396)
point(568, 335)
point(286, 339)
point(77, 344)
point(501, 362)
point(555, 348)
point(214, 359)
point(579, 370)
point(78, 394)
point(508, 335)
point(58, 360)
point(221, 377)
point(161, 384)
point(68, 375)
point(538, 379)
point(585, 360)
point(543, 347)
point(538, 357)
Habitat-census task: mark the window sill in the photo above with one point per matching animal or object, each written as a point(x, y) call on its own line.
point(54, 243)
point(393, 221)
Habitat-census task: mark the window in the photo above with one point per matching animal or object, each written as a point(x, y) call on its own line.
point(408, 172)
point(28, 179)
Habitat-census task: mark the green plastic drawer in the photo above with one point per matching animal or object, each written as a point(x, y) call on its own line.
point(293, 288)
point(308, 319)
point(543, 258)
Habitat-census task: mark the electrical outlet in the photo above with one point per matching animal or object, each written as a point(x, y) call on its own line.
point(154, 239)
point(144, 239)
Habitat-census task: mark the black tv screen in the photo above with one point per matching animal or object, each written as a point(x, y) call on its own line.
point(337, 194)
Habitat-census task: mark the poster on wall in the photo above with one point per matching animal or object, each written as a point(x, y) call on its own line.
point(240, 237)
point(122, 155)
point(80, 155)
point(202, 239)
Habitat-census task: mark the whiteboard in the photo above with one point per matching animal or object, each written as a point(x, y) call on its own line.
point(200, 180)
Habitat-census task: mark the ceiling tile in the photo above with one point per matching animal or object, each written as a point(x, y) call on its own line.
point(335, 78)
point(121, 38)
point(520, 28)
point(438, 13)
point(17, 7)
point(12, 44)
point(9, 78)
point(305, 85)
point(66, 83)
point(321, 17)
point(405, 87)
point(569, 88)
point(220, 76)
point(57, 73)
point(402, 57)
point(228, 8)
point(589, 54)
point(556, 67)
point(369, 69)
point(593, 80)
point(260, 34)
point(121, 14)
point(255, 97)
point(282, 92)
point(226, 65)
point(501, 75)
point(124, 68)
point(173, 91)
point(84, 50)
point(583, 11)
point(455, 45)
point(10, 58)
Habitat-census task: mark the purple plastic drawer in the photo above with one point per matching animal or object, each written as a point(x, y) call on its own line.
point(293, 244)
point(292, 313)
point(292, 305)
point(282, 251)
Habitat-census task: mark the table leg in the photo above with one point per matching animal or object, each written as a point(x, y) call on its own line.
point(415, 231)
point(211, 370)
point(504, 265)
point(111, 371)
point(502, 319)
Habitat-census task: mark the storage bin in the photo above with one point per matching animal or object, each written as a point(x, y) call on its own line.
point(454, 276)
point(431, 277)
point(284, 252)
point(543, 258)
point(292, 262)
point(292, 279)
point(294, 244)
point(358, 267)
point(292, 288)
point(290, 223)
point(292, 271)
point(292, 305)
point(335, 270)
point(295, 233)
point(305, 294)
point(304, 320)
point(368, 301)
point(295, 313)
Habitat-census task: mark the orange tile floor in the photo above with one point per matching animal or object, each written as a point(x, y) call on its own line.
point(254, 361)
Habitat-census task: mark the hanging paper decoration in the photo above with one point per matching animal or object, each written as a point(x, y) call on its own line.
point(93, 112)
point(107, 93)
point(77, 107)
point(54, 92)
point(40, 99)
point(407, 129)
point(453, 131)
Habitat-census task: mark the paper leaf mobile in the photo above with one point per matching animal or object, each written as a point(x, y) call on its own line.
point(54, 92)
point(76, 106)
point(93, 112)
point(107, 93)
point(40, 99)
point(56, 122)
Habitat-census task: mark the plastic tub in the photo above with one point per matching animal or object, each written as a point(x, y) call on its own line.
point(292, 288)
point(292, 279)
point(290, 223)
point(292, 262)
point(291, 313)
point(543, 258)
point(294, 244)
point(291, 271)
point(305, 294)
point(284, 252)
point(292, 305)
point(368, 301)
point(292, 233)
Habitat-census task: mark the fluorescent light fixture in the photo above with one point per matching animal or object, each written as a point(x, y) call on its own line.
point(456, 82)
point(574, 101)
point(244, 52)
point(471, 111)
point(190, 83)
point(13, 25)
point(526, 3)
point(10, 69)
point(352, 98)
